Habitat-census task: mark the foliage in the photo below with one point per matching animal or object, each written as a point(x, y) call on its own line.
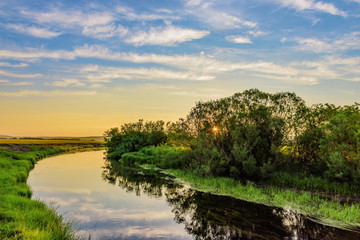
point(21, 217)
point(134, 136)
point(330, 212)
point(251, 135)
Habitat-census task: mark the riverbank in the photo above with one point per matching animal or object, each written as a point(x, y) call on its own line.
point(328, 212)
point(21, 217)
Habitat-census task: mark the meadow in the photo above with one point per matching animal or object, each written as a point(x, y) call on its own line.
point(20, 216)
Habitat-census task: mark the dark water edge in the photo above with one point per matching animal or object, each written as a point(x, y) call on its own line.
point(185, 213)
point(208, 216)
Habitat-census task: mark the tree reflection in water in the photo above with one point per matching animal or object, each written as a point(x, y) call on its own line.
point(208, 216)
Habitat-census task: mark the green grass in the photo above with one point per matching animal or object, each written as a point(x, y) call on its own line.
point(300, 181)
point(21, 217)
point(50, 141)
point(329, 212)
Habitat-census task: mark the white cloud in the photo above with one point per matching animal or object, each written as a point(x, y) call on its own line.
point(105, 31)
point(206, 12)
point(129, 14)
point(17, 75)
point(34, 31)
point(5, 64)
point(105, 74)
point(200, 67)
point(302, 5)
point(26, 93)
point(8, 83)
point(65, 82)
point(34, 54)
point(90, 68)
point(238, 39)
point(93, 24)
point(168, 36)
point(256, 33)
point(96, 85)
point(345, 42)
point(69, 19)
point(314, 45)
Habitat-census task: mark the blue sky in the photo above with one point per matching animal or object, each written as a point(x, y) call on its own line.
point(88, 65)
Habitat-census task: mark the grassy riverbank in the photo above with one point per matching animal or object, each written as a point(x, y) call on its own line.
point(21, 217)
point(330, 212)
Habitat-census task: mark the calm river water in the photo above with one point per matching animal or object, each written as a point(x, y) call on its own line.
point(109, 201)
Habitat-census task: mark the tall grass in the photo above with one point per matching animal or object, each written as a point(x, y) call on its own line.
point(330, 212)
point(21, 217)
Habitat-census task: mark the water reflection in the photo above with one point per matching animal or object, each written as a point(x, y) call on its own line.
point(110, 201)
point(206, 216)
point(101, 210)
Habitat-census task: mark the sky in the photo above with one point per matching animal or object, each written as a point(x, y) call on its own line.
point(78, 68)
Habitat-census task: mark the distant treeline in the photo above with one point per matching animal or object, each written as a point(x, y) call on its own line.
point(251, 135)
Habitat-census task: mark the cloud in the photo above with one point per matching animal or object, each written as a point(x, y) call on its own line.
point(105, 31)
point(96, 85)
point(5, 64)
point(92, 24)
point(198, 67)
point(34, 54)
point(34, 31)
point(105, 74)
point(302, 5)
point(130, 15)
point(71, 18)
point(65, 82)
point(90, 68)
point(8, 83)
point(345, 42)
point(238, 39)
point(256, 33)
point(168, 36)
point(206, 12)
point(26, 93)
point(19, 75)
point(314, 45)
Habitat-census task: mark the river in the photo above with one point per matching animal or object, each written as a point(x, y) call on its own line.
point(105, 200)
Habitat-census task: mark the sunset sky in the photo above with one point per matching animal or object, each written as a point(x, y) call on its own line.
point(77, 68)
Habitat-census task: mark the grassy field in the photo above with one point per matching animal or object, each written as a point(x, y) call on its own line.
point(329, 212)
point(21, 217)
point(49, 141)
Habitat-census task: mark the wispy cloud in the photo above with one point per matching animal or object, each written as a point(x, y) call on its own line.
point(105, 31)
point(168, 36)
point(345, 42)
point(98, 24)
point(95, 85)
point(26, 93)
point(8, 83)
point(109, 73)
point(71, 18)
point(238, 39)
point(34, 31)
point(257, 33)
point(6, 64)
point(17, 75)
point(302, 5)
point(65, 82)
point(191, 67)
point(130, 15)
point(206, 12)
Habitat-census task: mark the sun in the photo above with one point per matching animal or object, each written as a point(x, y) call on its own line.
point(215, 129)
